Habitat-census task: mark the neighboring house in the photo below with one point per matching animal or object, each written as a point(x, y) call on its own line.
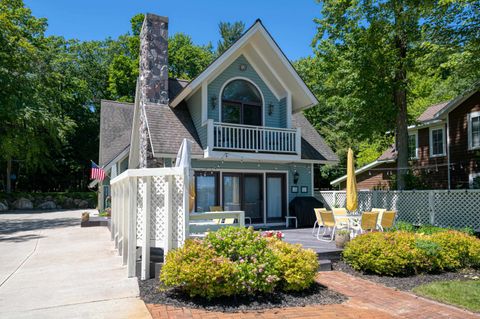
point(444, 148)
point(253, 149)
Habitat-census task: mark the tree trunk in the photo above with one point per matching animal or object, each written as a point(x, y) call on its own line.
point(9, 173)
point(400, 97)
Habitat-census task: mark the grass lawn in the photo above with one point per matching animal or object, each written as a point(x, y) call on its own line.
point(465, 294)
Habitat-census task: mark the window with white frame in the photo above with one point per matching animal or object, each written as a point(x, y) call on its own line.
point(437, 141)
point(474, 130)
point(474, 180)
point(412, 145)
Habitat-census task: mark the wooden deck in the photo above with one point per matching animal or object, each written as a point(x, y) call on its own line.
point(304, 236)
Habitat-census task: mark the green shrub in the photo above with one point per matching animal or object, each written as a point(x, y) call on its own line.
point(430, 229)
point(199, 271)
point(390, 253)
point(238, 261)
point(458, 249)
point(254, 261)
point(403, 226)
point(297, 266)
point(406, 253)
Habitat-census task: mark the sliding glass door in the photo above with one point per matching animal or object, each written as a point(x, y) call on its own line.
point(244, 192)
point(276, 198)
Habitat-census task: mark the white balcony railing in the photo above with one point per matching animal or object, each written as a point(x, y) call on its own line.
point(249, 138)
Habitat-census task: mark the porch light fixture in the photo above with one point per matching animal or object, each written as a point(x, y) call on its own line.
point(296, 176)
point(213, 102)
point(270, 109)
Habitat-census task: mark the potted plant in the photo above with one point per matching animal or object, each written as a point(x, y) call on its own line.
point(341, 238)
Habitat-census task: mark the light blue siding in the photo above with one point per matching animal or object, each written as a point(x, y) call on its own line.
point(304, 172)
point(278, 116)
point(195, 108)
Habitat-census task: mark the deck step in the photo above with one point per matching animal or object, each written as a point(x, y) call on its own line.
point(324, 265)
point(333, 255)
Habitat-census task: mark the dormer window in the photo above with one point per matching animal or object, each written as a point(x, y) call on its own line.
point(241, 103)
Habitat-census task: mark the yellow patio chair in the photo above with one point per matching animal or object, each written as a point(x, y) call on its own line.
point(216, 209)
point(387, 220)
point(328, 221)
point(341, 221)
point(229, 221)
point(318, 220)
point(369, 221)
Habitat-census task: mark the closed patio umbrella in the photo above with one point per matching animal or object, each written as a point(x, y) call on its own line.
point(352, 199)
point(183, 160)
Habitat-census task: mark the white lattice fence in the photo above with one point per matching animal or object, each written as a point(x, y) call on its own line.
point(458, 208)
point(149, 209)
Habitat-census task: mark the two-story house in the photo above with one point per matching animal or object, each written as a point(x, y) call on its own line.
point(253, 149)
point(444, 149)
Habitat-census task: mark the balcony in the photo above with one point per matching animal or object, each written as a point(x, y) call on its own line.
point(227, 137)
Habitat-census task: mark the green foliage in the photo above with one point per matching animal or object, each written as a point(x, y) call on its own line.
point(187, 60)
point(297, 266)
point(199, 271)
point(385, 253)
point(403, 226)
point(405, 253)
point(356, 65)
point(230, 32)
point(238, 261)
point(254, 260)
point(456, 249)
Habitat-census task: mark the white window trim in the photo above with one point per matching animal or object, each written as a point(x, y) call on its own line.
point(431, 141)
point(470, 133)
point(471, 177)
point(416, 144)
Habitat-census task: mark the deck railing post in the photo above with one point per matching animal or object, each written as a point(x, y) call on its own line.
point(132, 227)
point(126, 206)
point(169, 215)
point(147, 199)
point(186, 202)
point(298, 142)
point(431, 205)
point(210, 134)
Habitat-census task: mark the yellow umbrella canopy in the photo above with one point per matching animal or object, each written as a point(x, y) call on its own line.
point(352, 200)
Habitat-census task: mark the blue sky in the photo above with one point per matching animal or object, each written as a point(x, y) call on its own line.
point(290, 22)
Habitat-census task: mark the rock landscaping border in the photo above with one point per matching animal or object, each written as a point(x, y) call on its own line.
point(47, 201)
point(316, 295)
point(407, 283)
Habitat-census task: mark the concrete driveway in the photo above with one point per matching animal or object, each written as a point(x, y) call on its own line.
point(52, 268)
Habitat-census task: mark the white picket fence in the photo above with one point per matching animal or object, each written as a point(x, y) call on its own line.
point(150, 208)
point(454, 208)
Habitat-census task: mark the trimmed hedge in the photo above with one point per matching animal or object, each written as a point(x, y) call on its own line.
point(238, 261)
point(403, 253)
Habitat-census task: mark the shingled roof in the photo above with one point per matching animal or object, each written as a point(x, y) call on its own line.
point(168, 127)
point(115, 129)
point(431, 111)
point(314, 146)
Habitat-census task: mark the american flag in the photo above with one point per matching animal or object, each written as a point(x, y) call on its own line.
point(97, 172)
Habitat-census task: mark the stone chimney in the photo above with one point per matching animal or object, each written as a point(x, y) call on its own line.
point(154, 60)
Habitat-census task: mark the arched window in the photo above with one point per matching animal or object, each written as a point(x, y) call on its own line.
point(241, 103)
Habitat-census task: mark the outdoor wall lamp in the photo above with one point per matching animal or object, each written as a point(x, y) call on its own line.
point(213, 102)
point(296, 176)
point(270, 109)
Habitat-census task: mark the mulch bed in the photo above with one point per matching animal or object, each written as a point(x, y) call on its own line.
point(316, 295)
point(409, 282)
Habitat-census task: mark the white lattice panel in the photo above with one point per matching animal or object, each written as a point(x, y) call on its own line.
point(457, 209)
point(327, 198)
point(178, 211)
point(141, 192)
point(158, 211)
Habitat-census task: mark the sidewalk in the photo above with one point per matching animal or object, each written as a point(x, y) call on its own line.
point(52, 268)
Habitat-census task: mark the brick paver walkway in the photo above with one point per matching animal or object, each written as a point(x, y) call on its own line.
point(367, 300)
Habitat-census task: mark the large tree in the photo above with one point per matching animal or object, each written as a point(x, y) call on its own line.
point(229, 32)
point(366, 55)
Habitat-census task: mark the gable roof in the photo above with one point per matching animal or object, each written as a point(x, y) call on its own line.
point(430, 113)
point(314, 146)
point(168, 127)
point(115, 128)
point(261, 44)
